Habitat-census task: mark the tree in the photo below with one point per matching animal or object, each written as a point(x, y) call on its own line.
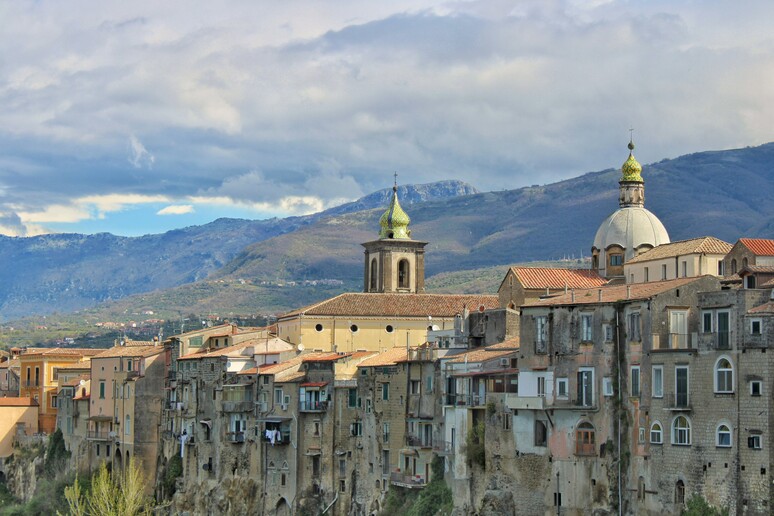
point(120, 494)
point(56, 454)
point(698, 506)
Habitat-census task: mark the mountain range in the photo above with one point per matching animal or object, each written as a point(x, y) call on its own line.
point(727, 194)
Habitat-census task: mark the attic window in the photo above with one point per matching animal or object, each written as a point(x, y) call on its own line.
point(353, 328)
point(616, 259)
point(389, 328)
point(318, 327)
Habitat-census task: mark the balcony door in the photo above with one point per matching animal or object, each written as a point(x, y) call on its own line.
point(723, 330)
point(678, 328)
point(681, 386)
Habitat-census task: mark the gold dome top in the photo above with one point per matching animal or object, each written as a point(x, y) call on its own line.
point(631, 169)
point(394, 223)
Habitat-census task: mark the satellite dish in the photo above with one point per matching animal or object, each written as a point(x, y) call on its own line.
point(300, 347)
point(436, 327)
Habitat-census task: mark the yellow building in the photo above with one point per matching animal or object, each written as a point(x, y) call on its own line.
point(392, 310)
point(38, 381)
point(16, 414)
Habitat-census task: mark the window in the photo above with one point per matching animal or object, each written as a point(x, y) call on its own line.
point(754, 441)
point(607, 386)
point(680, 493)
point(385, 432)
point(352, 398)
point(684, 269)
point(403, 274)
point(723, 436)
point(724, 376)
point(102, 390)
point(616, 260)
point(706, 322)
point(342, 485)
point(641, 435)
point(678, 329)
point(356, 429)
point(353, 328)
point(414, 386)
point(429, 384)
point(647, 275)
point(681, 431)
point(373, 274)
point(541, 333)
point(721, 268)
point(127, 425)
point(681, 387)
point(541, 386)
point(635, 381)
point(634, 326)
point(541, 433)
point(733, 266)
point(756, 386)
point(507, 416)
point(586, 327)
point(608, 331)
point(586, 387)
point(385, 391)
point(657, 382)
point(385, 462)
point(318, 327)
point(663, 272)
point(755, 326)
point(278, 396)
point(53, 401)
point(584, 439)
point(723, 330)
point(656, 433)
point(389, 328)
point(562, 388)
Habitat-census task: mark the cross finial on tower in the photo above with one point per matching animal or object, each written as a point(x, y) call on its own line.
point(395, 184)
point(631, 139)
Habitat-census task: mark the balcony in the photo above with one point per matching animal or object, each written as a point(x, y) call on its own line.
point(465, 400)
point(675, 341)
point(677, 402)
point(443, 447)
point(516, 402)
point(407, 481)
point(723, 339)
point(416, 441)
point(237, 406)
point(235, 437)
point(99, 435)
point(313, 406)
point(574, 404)
point(281, 438)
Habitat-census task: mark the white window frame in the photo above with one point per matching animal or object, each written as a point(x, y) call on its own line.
point(687, 383)
point(634, 373)
point(657, 386)
point(753, 322)
point(565, 382)
point(727, 431)
point(681, 436)
point(756, 440)
point(593, 380)
point(541, 386)
point(760, 388)
point(541, 327)
point(607, 386)
point(587, 327)
point(728, 372)
point(659, 432)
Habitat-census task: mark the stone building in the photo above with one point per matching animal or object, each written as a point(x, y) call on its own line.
point(9, 377)
point(523, 285)
point(683, 259)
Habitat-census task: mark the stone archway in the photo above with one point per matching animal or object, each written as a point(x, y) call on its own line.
point(118, 460)
point(282, 509)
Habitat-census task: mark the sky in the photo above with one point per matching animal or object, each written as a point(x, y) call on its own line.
point(144, 116)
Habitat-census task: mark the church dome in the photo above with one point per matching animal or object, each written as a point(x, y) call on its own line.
point(631, 228)
point(394, 222)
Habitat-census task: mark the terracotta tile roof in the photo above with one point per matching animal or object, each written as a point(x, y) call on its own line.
point(130, 351)
point(235, 350)
point(759, 246)
point(252, 370)
point(615, 293)
point(289, 376)
point(46, 352)
point(75, 365)
point(77, 381)
point(326, 357)
point(760, 269)
point(397, 305)
point(512, 343)
point(313, 384)
point(767, 284)
point(389, 357)
point(706, 245)
point(545, 277)
point(286, 364)
point(766, 308)
point(482, 354)
point(18, 402)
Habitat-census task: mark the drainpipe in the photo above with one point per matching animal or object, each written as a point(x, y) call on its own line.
point(331, 504)
point(620, 398)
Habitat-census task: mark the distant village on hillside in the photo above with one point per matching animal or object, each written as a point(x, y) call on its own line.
point(628, 387)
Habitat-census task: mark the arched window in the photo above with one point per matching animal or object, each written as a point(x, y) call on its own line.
point(723, 436)
point(744, 263)
point(585, 439)
point(372, 286)
point(733, 266)
point(128, 425)
point(403, 274)
point(680, 492)
point(724, 376)
point(641, 488)
point(681, 431)
point(656, 433)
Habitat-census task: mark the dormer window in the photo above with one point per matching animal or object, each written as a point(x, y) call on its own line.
point(616, 260)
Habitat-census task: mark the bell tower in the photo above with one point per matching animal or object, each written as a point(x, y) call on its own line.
point(394, 262)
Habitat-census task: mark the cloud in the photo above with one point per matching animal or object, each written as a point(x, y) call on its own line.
point(138, 154)
point(181, 209)
point(297, 106)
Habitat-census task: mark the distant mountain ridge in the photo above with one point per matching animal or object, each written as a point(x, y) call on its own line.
point(66, 272)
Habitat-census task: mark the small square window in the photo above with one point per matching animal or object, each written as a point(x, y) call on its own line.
point(755, 388)
point(755, 442)
point(562, 388)
point(755, 326)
